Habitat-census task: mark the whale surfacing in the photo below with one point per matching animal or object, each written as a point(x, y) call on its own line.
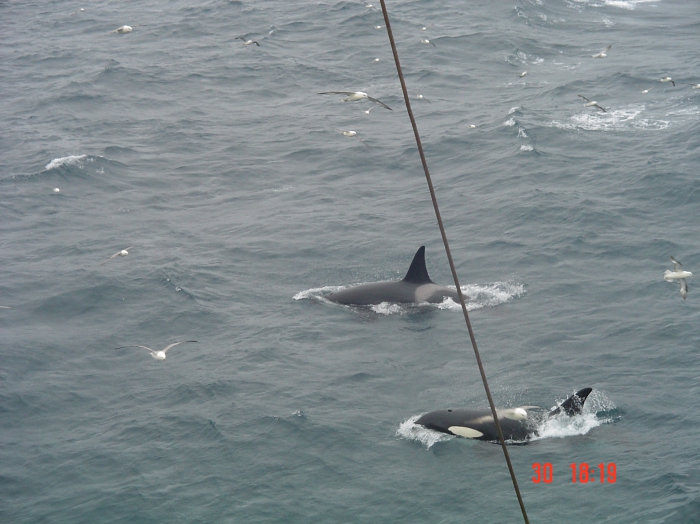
point(416, 287)
point(478, 423)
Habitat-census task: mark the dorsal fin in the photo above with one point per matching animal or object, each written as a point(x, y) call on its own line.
point(417, 273)
point(574, 404)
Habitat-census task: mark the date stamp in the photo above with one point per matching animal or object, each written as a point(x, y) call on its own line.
point(582, 473)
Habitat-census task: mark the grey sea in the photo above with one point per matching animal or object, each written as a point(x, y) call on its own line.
point(242, 204)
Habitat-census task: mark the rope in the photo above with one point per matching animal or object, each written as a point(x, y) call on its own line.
point(449, 258)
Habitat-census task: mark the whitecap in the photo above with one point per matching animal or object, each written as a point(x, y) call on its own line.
point(510, 122)
point(72, 160)
point(526, 148)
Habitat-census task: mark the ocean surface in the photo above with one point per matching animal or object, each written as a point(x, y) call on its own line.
point(242, 204)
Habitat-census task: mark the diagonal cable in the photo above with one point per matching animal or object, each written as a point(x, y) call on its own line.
point(449, 258)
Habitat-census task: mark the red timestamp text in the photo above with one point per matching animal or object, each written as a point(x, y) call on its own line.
point(582, 473)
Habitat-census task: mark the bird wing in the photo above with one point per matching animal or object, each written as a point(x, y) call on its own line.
point(601, 108)
point(581, 96)
point(110, 258)
point(380, 103)
point(606, 49)
point(338, 93)
point(240, 38)
point(684, 288)
point(176, 343)
point(144, 347)
point(677, 266)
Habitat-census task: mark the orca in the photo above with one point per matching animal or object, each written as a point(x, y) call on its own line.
point(415, 287)
point(478, 423)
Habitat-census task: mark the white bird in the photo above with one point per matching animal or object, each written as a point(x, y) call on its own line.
point(668, 79)
point(678, 274)
point(522, 74)
point(56, 190)
point(370, 109)
point(693, 86)
point(602, 54)
point(121, 253)
point(471, 126)
point(353, 133)
point(643, 91)
point(592, 103)
point(78, 11)
point(353, 96)
point(246, 43)
point(426, 41)
point(421, 97)
point(123, 29)
point(158, 355)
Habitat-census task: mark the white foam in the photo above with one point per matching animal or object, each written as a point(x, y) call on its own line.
point(65, 161)
point(388, 308)
point(487, 295)
point(409, 430)
point(522, 133)
point(513, 110)
point(613, 120)
point(526, 148)
point(564, 426)
point(316, 293)
point(510, 122)
point(626, 4)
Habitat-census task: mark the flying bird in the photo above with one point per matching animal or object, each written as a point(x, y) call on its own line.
point(353, 133)
point(678, 274)
point(121, 253)
point(522, 74)
point(426, 41)
point(693, 86)
point(643, 91)
point(592, 103)
point(158, 355)
point(246, 43)
point(353, 96)
point(602, 54)
point(668, 79)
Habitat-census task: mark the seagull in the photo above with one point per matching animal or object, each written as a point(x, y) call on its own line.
point(668, 79)
point(678, 274)
point(78, 11)
point(370, 109)
point(158, 355)
point(421, 97)
point(693, 86)
point(246, 43)
point(522, 74)
point(353, 96)
point(123, 29)
point(426, 41)
point(121, 253)
point(56, 190)
point(353, 133)
point(602, 54)
point(592, 103)
point(643, 91)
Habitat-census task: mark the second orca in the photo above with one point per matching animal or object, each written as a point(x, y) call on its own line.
point(478, 423)
point(416, 287)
